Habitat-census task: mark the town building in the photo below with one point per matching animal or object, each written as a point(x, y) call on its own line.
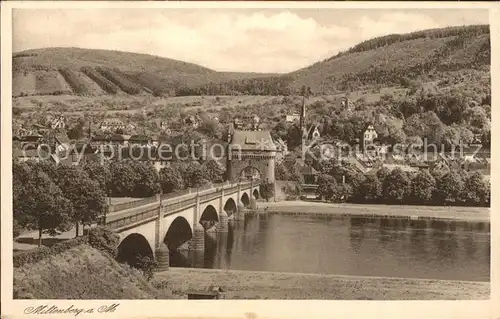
point(192, 121)
point(347, 104)
point(119, 139)
point(139, 139)
point(292, 118)
point(111, 125)
point(368, 138)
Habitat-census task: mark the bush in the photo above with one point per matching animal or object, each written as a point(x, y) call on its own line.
point(99, 238)
point(103, 239)
point(146, 265)
point(16, 228)
point(29, 257)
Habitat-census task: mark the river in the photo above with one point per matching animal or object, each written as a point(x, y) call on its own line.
point(448, 250)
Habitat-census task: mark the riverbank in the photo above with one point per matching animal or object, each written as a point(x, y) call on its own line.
point(477, 214)
point(240, 284)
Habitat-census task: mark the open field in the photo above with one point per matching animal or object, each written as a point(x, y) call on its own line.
point(240, 284)
point(121, 104)
point(459, 213)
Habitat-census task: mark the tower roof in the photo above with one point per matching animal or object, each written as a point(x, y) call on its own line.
point(253, 140)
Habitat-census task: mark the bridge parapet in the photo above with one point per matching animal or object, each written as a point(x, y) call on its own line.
point(135, 203)
point(141, 210)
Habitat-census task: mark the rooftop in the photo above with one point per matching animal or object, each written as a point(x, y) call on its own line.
point(253, 140)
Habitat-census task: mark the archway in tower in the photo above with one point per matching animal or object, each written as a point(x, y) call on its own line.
point(245, 200)
point(209, 217)
point(135, 250)
point(230, 207)
point(178, 233)
point(256, 194)
point(249, 173)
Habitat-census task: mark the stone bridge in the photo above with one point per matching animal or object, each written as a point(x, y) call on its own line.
point(150, 227)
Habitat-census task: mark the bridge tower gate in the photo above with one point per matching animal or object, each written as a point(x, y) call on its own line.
point(251, 149)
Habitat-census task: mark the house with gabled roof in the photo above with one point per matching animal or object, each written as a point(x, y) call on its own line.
point(139, 139)
point(112, 125)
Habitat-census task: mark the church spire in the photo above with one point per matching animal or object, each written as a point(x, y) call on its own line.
point(303, 115)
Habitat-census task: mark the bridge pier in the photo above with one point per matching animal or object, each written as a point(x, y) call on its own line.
point(222, 225)
point(198, 240)
point(239, 214)
point(162, 257)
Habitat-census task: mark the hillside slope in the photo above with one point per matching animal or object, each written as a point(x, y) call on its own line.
point(82, 272)
point(423, 55)
point(38, 72)
point(393, 60)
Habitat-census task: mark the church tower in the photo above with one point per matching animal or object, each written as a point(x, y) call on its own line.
point(303, 117)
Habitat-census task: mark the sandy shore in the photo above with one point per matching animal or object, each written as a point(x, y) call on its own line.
point(239, 284)
point(479, 214)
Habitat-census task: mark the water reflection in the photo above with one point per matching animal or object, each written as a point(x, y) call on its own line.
point(395, 247)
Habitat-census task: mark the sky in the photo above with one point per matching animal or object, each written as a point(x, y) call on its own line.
point(243, 40)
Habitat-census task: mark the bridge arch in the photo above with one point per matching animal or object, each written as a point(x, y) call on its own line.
point(133, 248)
point(249, 173)
point(245, 200)
point(178, 233)
point(230, 207)
point(256, 194)
point(209, 217)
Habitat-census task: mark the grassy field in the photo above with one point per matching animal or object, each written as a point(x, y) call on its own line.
point(273, 285)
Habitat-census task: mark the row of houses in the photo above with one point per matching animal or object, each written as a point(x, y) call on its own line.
point(59, 149)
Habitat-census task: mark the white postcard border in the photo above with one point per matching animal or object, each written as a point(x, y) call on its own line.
point(236, 308)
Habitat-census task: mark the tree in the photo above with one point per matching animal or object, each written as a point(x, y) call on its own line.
point(383, 173)
point(99, 173)
point(267, 190)
point(193, 175)
point(76, 132)
point(282, 173)
point(171, 179)
point(214, 171)
point(87, 198)
point(327, 187)
point(210, 128)
point(476, 191)
point(449, 187)
point(370, 189)
point(477, 118)
point(396, 186)
point(123, 179)
point(40, 205)
point(422, 187)
point(354, 179)
point(146, 179)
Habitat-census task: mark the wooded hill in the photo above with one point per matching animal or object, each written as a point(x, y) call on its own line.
point(393, 60)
